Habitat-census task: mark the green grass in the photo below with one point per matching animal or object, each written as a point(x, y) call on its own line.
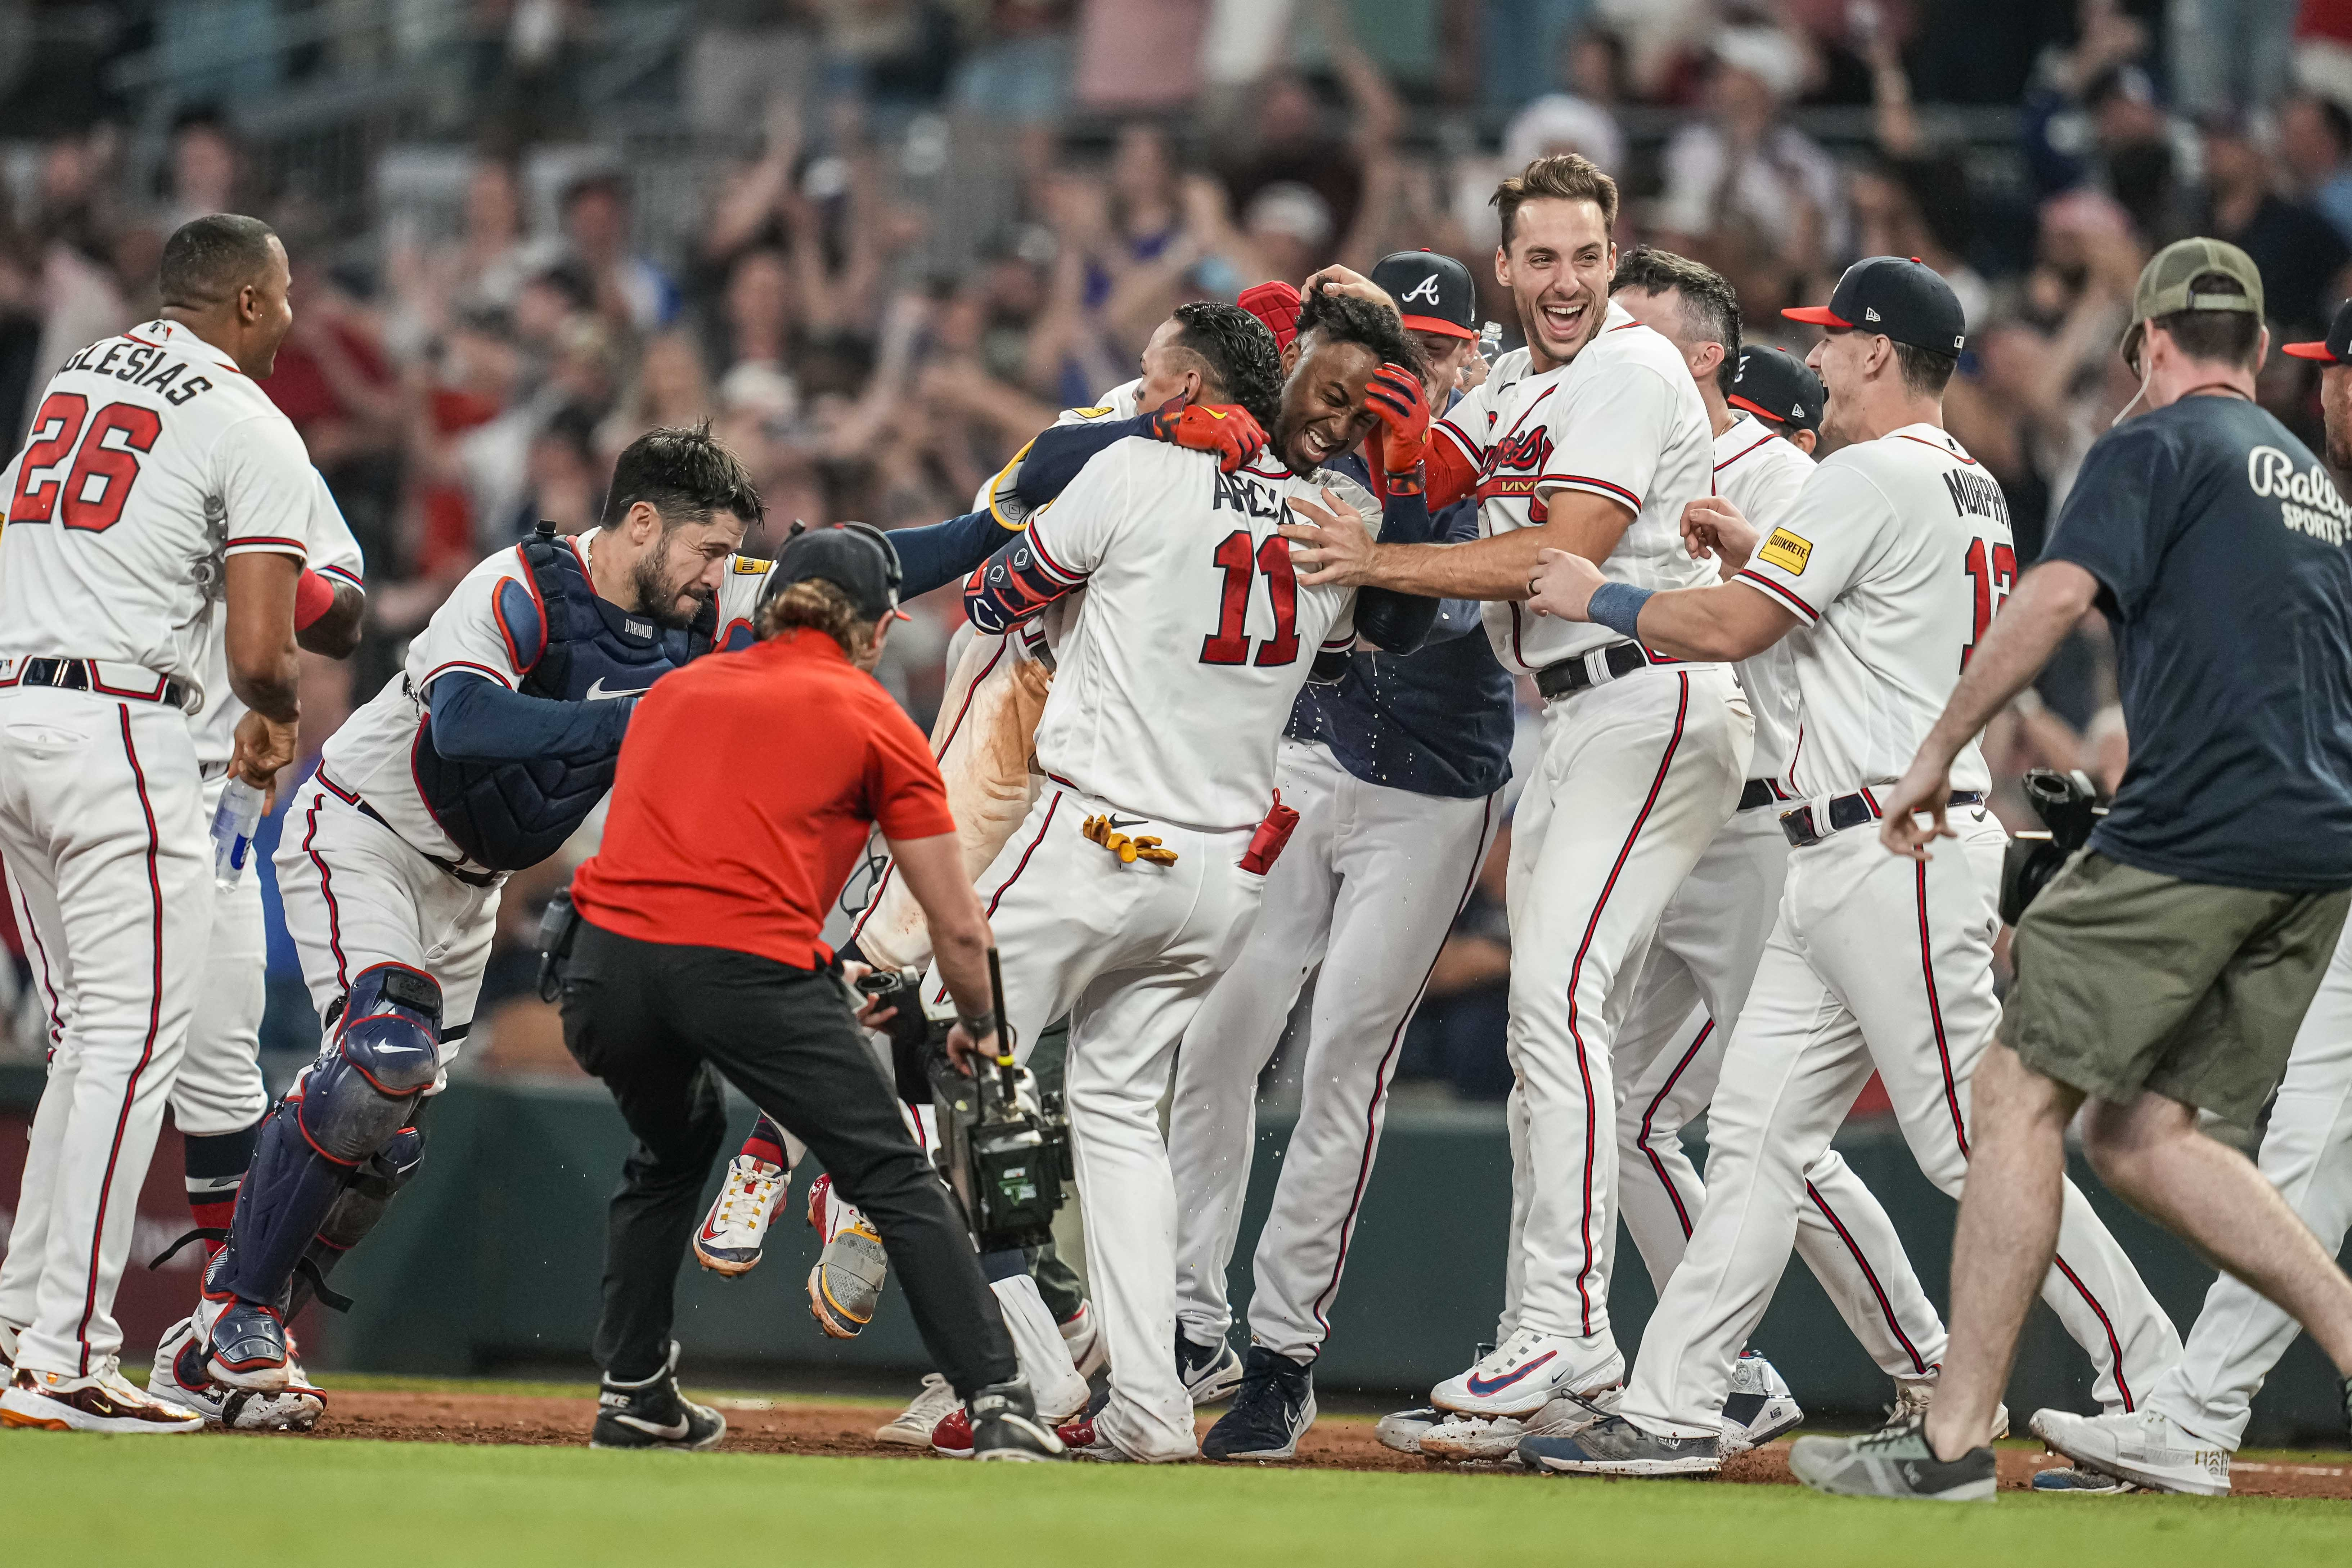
point(74, 1499)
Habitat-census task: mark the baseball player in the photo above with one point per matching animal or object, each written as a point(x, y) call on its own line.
point(1137, 872)
point(2182, 1438)
point(1594, 444)
point(1670, 1047)
point(1395, 770)
point(161, 495)
point(1888, 566)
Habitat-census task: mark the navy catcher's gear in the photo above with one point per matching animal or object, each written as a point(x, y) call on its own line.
point(356, 1211)
point(350, 1104)
point(573, 646)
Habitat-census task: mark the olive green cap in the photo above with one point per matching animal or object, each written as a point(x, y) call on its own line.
point(2164, 285)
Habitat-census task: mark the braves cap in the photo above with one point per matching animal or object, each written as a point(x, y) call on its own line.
point(2337, 347)
point(1779, 388)
point(1433, 293)
point(1897, 297)
point(2163, 283)
point(854, 557)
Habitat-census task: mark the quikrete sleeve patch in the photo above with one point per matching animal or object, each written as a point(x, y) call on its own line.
point(1091, 412)
point(1786, 550)
point(745, 566)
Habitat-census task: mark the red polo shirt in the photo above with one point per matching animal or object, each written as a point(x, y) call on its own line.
point(746, 786)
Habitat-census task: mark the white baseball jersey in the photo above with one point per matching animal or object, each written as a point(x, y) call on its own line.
point(1177, 674)
point(331, 552)
point(1894, 559)
point(1623, 420)
point(369, 756)
point(153, 458)
point(1761, 474)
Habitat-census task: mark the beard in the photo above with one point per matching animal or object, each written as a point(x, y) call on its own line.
point(659, 595)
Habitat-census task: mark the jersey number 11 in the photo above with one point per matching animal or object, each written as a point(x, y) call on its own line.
point(1235, 556)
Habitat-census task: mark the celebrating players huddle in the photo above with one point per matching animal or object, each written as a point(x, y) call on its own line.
point(1224, 717)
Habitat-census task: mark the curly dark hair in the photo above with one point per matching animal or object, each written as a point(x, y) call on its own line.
point(1237, 354)
point(1346, 318)
point(1709, 304)
point(685, 475)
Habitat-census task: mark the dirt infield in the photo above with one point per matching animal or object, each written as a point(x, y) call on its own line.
point(798, 1426)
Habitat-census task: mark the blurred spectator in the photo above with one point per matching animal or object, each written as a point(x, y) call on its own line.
point(744, 54)
point(1580, 117)
point(1020, 73)
point(2315, 144)
point(1139, 55)
point(671, 389)
point(1521, 43)
point(2301, 258)
point(630, 289)
point(203, 168)
point(2226, 52)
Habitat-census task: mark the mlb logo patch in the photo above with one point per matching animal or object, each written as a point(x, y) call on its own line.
point(1787, 551)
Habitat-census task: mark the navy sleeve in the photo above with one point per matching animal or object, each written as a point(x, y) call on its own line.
point(1059, 451)
point(476, 719)
point(942, 552)
point(2119, 514)
point(1391, 621)
point(1457, 524)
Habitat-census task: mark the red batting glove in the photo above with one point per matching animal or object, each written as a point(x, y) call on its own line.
point(1395, 396)
point(1225, 429)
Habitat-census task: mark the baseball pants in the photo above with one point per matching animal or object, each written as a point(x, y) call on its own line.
point(1635, 778)
point(1368, 888)
point(102, 829)
point(2306, 1153)
point(1670, 1051)
point(1880, 962)
point(220, 1088)
point(356, 895)
point(1128, 951)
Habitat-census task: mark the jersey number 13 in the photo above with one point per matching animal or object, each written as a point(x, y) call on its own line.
point(1994, 573)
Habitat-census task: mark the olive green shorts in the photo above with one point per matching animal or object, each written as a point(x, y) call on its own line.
point(2127, 980)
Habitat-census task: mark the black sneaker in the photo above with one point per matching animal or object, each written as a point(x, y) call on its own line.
point(1272, 1410)
point(1614, 1446)
point(1895, 1462)
point(1210, 1372)
point(1005, 1424)
point(652, 1414)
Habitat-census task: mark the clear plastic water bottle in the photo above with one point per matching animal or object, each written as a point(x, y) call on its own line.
point(233, 824)
point(1490, 340)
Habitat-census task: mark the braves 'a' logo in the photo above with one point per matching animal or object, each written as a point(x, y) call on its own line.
point(1425, 289)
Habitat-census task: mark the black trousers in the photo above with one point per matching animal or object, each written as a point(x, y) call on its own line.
point(660, 1024)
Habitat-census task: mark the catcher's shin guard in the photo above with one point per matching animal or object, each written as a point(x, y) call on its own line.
point(350, 1104)
point(355, 1213)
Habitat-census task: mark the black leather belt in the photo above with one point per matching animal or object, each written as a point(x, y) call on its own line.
point(1571, 675)
point(471, 878)
point(1760, 792)
point(1804, 828)
point(77, 675)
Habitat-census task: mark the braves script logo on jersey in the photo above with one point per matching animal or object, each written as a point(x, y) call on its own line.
point(2308, 501)
point(1521, 450)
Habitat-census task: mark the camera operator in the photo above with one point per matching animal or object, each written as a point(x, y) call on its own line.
point(745, 793)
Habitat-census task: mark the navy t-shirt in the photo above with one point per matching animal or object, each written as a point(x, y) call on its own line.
point(2219, 542)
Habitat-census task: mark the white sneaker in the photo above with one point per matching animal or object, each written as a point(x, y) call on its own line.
point(53, 1402)
point(912, 1426)
point(736, 1229)
point(1759, 1406)
point(1913, 1396)
point(179, 1378)
point(1402, 1430)
point(2145, 1449)
point(1471, 1438)
point(1083, 1334)
point(1530, 1370)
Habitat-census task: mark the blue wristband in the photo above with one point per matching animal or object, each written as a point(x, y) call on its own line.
point(1618, 606)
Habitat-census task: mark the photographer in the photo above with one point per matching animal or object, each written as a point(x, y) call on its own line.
point(746, 789)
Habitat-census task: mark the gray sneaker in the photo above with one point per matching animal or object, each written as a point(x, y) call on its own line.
point(845, 1284)
point(1614, 1446)
point(1893, 1463)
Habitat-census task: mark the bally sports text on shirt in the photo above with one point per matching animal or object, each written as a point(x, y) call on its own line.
point(2308, 501)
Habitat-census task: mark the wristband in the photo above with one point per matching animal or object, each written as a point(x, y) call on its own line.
point(1618, 606)
point(313, 597)
point(978, 1028)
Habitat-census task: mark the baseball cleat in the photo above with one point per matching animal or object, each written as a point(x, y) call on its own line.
point(651, 1414)
point(1912, 1397)
point(1402, 1430)
point(1006, 1425)
point(246, 1348)
point(1895, 1462)
point(1211, 1373)
point(1759, 1406)
point(2145, 1449)
point(1613, 1445)
point(736, 1229)
point(178, 1377)
point(1272, 1410)
point(53, 1402)
point(1082, 1337)
point(912, 1428)
point(845, 1283)
point(2080, 1482)
point(1473, 1439)
point(1530, 1370)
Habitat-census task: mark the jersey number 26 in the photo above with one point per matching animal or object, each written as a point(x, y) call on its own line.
point(114, 465)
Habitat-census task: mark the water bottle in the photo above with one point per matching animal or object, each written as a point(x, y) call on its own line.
point(232, 823)
point(1490, 340)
